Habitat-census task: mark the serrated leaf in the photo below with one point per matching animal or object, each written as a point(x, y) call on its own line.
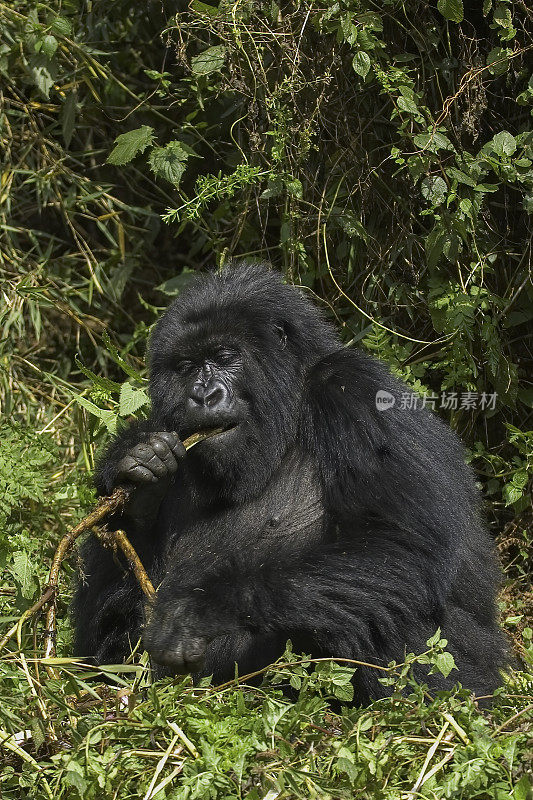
point(451, 9)
point(43, 72)
point(109, 418)
point(209, 61)
point(61, 26)
point(129, 144)
point(361, 63)
point(169, 162)
point(131, 399)
point(445, 663)
point(23, 572)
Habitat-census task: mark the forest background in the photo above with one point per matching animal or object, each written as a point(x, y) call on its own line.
point(381, 156)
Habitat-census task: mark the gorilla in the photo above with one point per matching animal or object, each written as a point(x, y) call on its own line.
point(316, 513)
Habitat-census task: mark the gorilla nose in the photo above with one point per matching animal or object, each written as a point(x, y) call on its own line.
point(214, 396)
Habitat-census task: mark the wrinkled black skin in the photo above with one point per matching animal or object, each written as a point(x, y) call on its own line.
point(315, 517)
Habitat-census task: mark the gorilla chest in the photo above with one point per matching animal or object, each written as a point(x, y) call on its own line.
point(287, 515)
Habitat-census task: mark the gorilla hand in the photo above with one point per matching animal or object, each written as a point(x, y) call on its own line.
point(149, 466)
point(151, 461)
point(176, 638)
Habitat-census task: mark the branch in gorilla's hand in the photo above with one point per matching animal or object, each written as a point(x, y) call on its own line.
point(106, 506)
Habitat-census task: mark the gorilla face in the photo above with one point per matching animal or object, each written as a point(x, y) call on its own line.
point(225, 355)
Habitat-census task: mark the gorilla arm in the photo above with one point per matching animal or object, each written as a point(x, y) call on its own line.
point(108, 603)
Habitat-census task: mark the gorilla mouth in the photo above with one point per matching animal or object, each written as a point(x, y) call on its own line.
point(212, 432)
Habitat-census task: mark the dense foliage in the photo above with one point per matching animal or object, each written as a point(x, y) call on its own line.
point(381, 156)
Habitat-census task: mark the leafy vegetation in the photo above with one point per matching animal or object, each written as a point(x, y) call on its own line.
point(381, 156)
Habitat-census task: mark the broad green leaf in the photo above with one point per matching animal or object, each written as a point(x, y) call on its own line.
point(169, 162)
point(511, 493)
point(361, 63)
point(131, 399)
point(433, 142)
point(451, 9)
point(209, 61)
point(127, 145)
point(498, 60)
point(175, 285)
point(503, 144)
point(432, 641)
point(502, 15)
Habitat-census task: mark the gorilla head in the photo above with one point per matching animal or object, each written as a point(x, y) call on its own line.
point(229, 351)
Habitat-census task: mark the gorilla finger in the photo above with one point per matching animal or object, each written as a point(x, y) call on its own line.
point(142, 452)
point(174, 442)
point(128, 469)
point(139, 474)
point(163, 451)
point(155, 465)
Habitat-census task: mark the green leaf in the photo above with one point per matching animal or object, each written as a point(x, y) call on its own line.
point(445, 663)
point(109, 418)
point(503, 144)
point(433, 142)
point(67, 117)
point(511, 494)
point(523, 789)
point(361, 63)
point(451, 9)
point(49, 45)
point(127, 145)
point(61, 26)
point(131, 399)
point(23, 572)
point(502, 15)
point(203, 8)
point(43, 72)
point(169, 162)
point(432, 641)
point(498, 60)
point(209, 61)
point(434, 189)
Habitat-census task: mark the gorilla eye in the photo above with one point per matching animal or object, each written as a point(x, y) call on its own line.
point(182, 365)
point(225, 356)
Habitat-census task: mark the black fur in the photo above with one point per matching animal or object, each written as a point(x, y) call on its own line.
point(352, 531)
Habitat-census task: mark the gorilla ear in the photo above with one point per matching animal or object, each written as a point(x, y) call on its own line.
point(282, 335)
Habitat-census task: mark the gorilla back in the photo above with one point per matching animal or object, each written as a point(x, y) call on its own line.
point(312, 515)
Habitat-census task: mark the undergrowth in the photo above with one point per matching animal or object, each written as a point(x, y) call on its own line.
point(381, 156)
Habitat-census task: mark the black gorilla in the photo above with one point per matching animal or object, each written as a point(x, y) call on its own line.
point(313, 516)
